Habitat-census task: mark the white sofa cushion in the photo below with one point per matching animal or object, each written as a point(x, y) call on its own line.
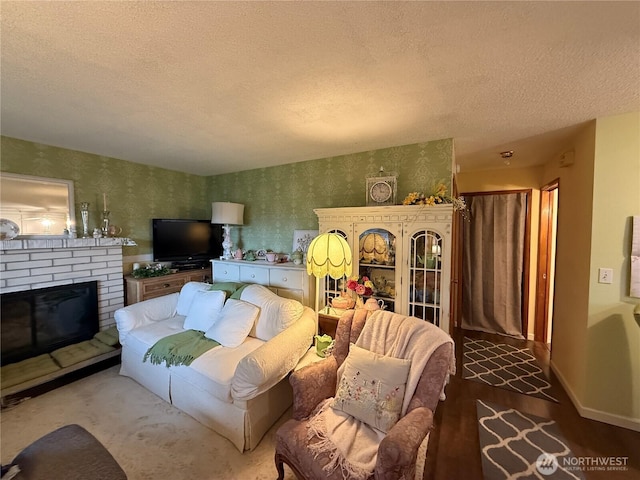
point(143, 338)
point(276, 313)
point(187, 292)
point(143, 313)
point(204, 310)
point(233, 324)
point(258, 372)
point(213, 371)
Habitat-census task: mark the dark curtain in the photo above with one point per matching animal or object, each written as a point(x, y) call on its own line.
point(493, 258)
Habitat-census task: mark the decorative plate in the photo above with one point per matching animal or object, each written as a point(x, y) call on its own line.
point(8, 229)
point(261, 254)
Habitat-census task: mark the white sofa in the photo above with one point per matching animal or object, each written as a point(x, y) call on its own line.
point(238, 392)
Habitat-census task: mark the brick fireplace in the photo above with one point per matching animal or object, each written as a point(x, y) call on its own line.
point(38, 263)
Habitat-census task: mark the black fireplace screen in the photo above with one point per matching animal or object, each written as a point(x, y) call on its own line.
point(40, 321)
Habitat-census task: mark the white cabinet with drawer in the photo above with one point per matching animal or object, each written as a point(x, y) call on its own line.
point(286, 279)
point(254, 274)
point(222, 272)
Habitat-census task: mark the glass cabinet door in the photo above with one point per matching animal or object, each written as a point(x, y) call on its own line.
point(377, 253)
point(425, 275)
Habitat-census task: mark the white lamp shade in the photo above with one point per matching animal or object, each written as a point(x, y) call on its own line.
point(227, 213)
point(329, 254)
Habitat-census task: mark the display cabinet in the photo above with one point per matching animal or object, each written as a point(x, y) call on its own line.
point(404, 250)
point(377, 249)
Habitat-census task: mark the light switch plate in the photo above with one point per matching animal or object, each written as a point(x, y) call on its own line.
point(605, 275)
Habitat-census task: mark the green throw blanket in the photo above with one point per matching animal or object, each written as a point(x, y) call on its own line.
point(179, 349)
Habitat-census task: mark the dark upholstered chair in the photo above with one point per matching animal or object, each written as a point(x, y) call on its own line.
point(69, 452)
point(398, 450)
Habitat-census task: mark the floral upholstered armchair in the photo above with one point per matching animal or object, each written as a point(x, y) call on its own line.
point(363, 412)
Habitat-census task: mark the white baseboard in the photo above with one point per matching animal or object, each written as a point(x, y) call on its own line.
point(592, 414)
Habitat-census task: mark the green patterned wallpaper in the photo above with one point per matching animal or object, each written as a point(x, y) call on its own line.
point(278, 200)
point(135, 193)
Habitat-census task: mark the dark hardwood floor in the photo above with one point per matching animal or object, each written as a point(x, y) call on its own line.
point(454, 447)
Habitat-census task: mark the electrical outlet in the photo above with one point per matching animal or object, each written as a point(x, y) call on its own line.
point(605, 275)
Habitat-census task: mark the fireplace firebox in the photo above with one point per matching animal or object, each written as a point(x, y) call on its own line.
point(40, 321)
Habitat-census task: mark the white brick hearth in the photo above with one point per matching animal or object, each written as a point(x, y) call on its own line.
point(39, 263)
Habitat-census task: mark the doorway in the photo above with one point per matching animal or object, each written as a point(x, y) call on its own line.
point(495, 262)
point(546, 262)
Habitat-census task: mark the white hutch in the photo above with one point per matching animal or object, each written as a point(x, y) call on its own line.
point(404, 250)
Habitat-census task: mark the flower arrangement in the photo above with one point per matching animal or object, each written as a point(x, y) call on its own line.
point(437, 196)
point(156, 270)
point(360, 285)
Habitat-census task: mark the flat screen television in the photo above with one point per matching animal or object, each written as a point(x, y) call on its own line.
point(186, 243)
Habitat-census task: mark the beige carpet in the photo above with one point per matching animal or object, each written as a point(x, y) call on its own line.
point(149, 438)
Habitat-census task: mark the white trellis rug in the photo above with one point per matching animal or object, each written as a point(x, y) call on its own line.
point(518, 445)
point(504, 366)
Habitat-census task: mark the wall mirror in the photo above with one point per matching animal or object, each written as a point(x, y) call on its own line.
point(38, 205)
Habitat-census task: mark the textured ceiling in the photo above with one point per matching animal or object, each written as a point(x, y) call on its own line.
point(214, 87)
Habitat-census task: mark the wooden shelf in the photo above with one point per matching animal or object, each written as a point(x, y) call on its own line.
point(378, 265)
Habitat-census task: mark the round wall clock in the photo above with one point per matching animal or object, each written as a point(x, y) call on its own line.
point(380, 192)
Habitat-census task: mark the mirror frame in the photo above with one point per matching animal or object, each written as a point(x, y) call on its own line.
point(70, 198)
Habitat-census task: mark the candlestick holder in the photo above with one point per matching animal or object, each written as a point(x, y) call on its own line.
point(84, 213)
point(105, 223)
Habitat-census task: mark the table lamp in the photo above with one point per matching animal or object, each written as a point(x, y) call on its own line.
point(227, 214)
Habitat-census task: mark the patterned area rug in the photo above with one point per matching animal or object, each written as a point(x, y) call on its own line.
point(515, 445)
point(504, 366)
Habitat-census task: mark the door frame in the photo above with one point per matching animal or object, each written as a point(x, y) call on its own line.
point(455, 292)
point(545, 239)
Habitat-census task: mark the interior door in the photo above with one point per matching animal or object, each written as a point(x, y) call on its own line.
point(546, 262)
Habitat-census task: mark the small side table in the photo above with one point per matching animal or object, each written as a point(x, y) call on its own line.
point(328, 320)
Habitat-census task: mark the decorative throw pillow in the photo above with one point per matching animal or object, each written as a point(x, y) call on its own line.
point(276, 313)
point(228, 287)
point(372, 387)
point(234, 323)
point(204, 311)
point(185, 298)
point(237, 295)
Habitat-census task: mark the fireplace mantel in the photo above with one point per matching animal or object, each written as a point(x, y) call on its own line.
point(63, 242)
